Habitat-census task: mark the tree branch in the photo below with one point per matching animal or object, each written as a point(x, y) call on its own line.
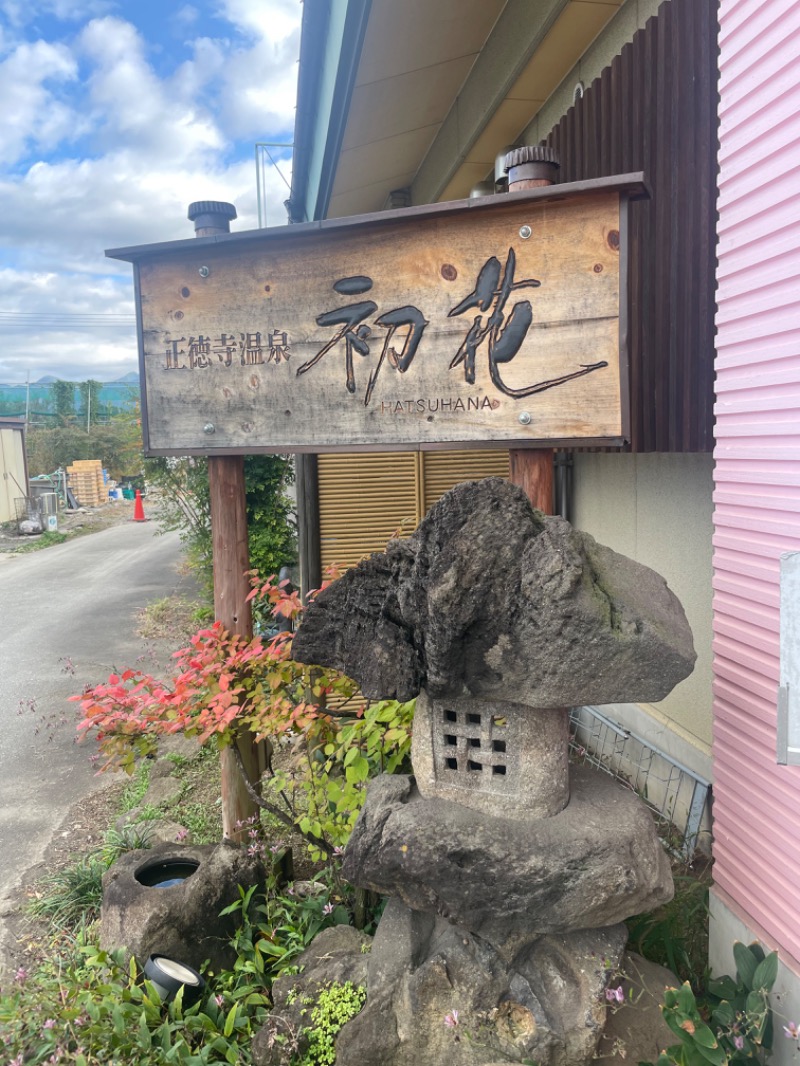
point(315, 841)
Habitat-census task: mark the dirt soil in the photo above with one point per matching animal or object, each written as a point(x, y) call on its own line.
point(27, 938)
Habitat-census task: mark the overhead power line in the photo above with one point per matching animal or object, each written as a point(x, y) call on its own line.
point(53, 319)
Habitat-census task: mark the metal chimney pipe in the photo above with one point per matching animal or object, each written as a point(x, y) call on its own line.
point(211, 217)
point(531, 167)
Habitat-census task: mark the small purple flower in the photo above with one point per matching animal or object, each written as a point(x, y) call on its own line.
point(49, 1024)
point(738, 1042)
point(181, 835)
point(327, 909)
point(275, 848)
point(792, 1031)
point(219, 1000)
point(451, 1019)
point(615, 995)
point(338, 852)
point(21, 976)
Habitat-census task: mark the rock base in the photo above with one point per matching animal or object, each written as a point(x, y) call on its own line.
point(420, 971)
point(592, 865)
point(182, 921)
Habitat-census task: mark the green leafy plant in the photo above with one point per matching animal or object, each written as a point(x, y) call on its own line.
point(184, 506)
point(732, 1023)
point(336, 1005)
point(84, 1007)
point(118, 443)
point(279, 920)
point(676, 934)
point(226, 683)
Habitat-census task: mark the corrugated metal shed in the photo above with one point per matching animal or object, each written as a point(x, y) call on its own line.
point(13, 467)
point(757, 518)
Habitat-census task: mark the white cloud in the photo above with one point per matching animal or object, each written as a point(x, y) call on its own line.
point(37, 344)
point(131, 106)
point(32, 114)
point(142, 144)
point(276, 19)
point(259, 90)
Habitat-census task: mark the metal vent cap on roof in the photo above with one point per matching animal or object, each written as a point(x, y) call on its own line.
point(532, 153)
point(211, 217)
point(211, 207)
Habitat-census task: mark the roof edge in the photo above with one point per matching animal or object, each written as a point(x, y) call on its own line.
point(330, 41)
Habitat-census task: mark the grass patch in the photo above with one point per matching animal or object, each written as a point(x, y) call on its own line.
point(135, 789)
point(676, 935)
point(172, 618)
point(44, 540)
point(70, 898)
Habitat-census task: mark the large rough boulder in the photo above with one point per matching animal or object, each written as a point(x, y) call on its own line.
point(491, 598)
point(423, 972)
point(510, 881)
point(182, 921)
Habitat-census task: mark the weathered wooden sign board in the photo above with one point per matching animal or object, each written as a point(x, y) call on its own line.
point(498, 321)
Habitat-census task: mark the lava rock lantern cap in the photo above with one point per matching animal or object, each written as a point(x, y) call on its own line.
point(492, 598)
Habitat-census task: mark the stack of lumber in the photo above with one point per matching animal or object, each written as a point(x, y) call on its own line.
point(86, 482)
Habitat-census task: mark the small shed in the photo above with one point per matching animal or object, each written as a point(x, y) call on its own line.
point(13, 467)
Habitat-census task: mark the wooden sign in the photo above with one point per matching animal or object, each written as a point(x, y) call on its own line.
point(486, 321)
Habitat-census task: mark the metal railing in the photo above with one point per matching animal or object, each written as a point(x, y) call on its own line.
point(264, 160)
point(676, 795)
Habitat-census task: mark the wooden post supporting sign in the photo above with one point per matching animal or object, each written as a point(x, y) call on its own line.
point(231, 560)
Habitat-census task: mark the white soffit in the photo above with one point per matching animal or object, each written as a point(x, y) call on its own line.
point(417, 58)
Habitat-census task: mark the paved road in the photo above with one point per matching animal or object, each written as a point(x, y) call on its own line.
point(76, 601)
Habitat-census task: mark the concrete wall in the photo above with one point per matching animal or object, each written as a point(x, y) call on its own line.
point(727, 926)
point(657, 509)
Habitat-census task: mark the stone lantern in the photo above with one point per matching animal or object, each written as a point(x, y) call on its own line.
point(509, 872)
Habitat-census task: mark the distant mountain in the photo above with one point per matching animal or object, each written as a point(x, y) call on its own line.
point(128, 379)
point(48, 379)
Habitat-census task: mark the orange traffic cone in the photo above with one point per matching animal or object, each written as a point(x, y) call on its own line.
point(138, 508)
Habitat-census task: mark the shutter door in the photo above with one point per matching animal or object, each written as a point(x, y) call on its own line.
point(442, 470)
point(365, 499)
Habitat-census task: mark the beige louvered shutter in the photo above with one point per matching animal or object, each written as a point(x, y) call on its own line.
point(365, 499)
point(442, 470)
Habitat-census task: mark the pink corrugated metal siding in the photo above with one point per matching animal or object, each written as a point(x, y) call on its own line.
point(757, 496)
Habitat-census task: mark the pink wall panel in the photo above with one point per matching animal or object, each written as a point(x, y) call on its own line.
point(757, 497)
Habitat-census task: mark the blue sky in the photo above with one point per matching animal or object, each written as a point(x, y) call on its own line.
point(114, 116)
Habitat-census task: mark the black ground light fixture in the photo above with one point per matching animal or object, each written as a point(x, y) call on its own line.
point(169, 976)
